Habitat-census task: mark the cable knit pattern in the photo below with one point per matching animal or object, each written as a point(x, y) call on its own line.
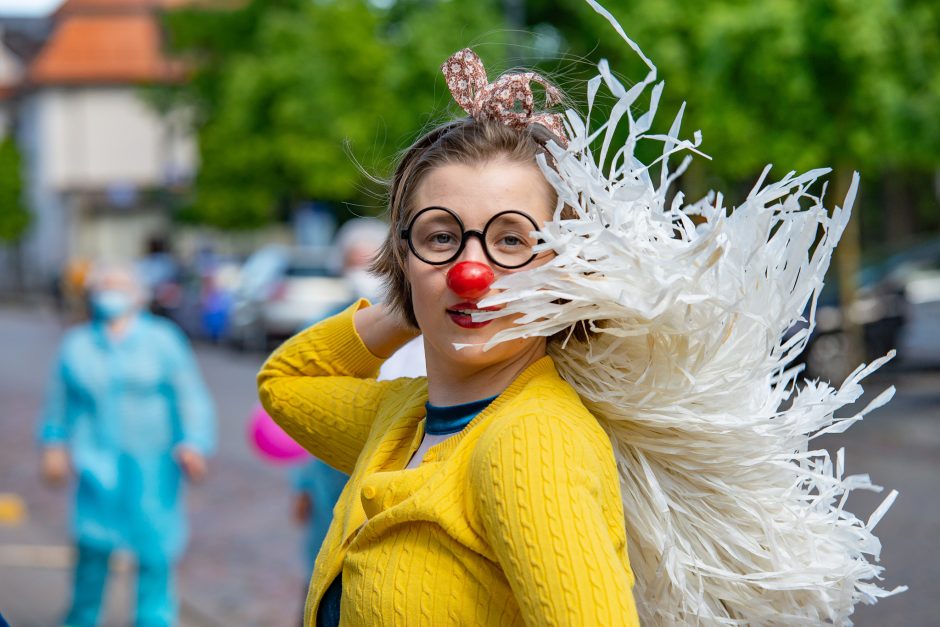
point(515, 520)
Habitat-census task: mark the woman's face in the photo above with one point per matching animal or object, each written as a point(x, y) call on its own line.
point(475, 193)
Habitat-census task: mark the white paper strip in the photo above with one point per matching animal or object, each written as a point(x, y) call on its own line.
point(732, 519)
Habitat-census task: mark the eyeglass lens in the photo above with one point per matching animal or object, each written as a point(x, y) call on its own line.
point(436, 237)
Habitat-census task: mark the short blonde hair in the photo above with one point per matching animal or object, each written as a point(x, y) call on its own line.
point(465, 141)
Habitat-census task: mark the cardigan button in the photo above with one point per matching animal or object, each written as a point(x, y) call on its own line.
point(368, 492)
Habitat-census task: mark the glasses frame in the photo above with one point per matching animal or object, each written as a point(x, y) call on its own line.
point(465, 236)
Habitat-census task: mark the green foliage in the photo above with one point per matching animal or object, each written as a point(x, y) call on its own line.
point(799, 83)
point(294, 99)
point(14, 218)
point(292, 95)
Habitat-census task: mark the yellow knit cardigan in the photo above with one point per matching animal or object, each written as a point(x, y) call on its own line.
point(515, 520)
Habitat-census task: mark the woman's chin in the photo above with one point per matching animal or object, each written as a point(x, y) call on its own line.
point(469, 347)
point(464, 346)
point(472, 351)
point(473, 354)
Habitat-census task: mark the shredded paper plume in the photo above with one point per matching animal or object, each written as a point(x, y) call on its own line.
point(732, 517)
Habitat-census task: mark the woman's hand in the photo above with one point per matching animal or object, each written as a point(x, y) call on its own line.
point(381, 331)
point(55, 466)
point(192, 462)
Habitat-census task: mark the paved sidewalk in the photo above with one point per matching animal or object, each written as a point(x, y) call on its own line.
point(31, 574)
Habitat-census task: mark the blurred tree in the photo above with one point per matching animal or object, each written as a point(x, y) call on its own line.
point(284, 90)
point(14, 217)
point(798, 83)
point(280, 86)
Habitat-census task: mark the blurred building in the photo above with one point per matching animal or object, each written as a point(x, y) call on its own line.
point(11, 71)
point(20, 39)
point(98, 155)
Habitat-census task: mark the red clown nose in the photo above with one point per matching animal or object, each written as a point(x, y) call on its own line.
point(470, 279)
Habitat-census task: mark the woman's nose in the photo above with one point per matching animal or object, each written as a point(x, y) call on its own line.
point(470, 279)
point(473, 249)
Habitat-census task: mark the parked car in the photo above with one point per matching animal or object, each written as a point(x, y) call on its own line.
point(280, 289)
point(898, 306)
point(916, 271)
point(880, 308)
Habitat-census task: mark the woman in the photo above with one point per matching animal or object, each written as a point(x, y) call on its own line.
point(127, 410)
point(732, 517)
point(484, 494)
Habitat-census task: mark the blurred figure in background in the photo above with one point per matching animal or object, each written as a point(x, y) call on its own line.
point(160, 274)
point(72, 299)
point(126, 410)
point(319, 485)
point(215, 304)
point(356, 244)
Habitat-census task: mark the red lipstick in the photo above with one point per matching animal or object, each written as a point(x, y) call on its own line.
point(461, 315)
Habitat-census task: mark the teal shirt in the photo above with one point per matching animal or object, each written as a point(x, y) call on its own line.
point(121, 407)
point(448, 419)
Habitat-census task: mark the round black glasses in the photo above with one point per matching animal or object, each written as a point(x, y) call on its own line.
point(436, 236)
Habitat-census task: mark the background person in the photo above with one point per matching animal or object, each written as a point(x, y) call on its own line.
point(127, 412)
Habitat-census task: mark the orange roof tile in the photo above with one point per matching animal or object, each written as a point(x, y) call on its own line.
point(122, 48)
point(72, 7)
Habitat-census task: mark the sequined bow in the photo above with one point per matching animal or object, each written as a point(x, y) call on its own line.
point(467, 81)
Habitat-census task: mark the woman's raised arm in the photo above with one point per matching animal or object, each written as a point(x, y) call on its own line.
point(320, 386)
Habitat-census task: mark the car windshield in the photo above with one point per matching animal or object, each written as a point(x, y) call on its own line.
point(306, 270)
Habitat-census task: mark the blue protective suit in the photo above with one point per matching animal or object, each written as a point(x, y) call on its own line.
point(122, 407)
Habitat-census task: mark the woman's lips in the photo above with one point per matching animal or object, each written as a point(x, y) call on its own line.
point(461, 315)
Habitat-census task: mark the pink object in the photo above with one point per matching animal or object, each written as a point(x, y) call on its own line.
point(466, 78)
point(271, 441)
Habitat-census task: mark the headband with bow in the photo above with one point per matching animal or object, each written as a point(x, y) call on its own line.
point(483, 100)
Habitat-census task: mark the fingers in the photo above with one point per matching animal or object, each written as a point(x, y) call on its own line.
point(193, 463)
point(55, 466)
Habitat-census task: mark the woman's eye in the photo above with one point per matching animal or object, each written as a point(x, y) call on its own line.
point(511, 241)
point(442, 239)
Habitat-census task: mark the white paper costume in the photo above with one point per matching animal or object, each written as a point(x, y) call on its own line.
point(732, 517)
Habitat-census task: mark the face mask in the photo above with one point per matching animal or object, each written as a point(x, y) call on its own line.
point(110, 304)
point(365, 284)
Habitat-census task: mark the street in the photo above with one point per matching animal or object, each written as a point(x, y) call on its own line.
point(244, 566)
